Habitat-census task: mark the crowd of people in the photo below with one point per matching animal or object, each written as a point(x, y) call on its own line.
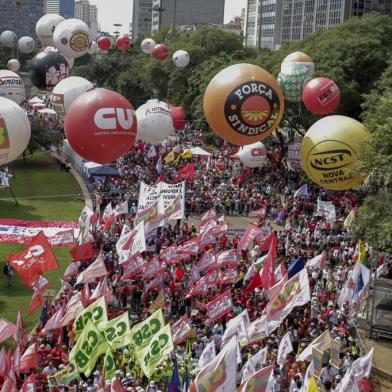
point(223, 185)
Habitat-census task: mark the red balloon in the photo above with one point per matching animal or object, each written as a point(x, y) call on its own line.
point(160, 52)
point(321, 96)
point(123, 42)
point(104, 43)
point(178, 116)
point(100, 125)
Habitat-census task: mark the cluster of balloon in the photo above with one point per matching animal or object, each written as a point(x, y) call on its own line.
point(321, 96)
point(160, 52)
point(243, 104)
point(66, 91)
point(12, 86)
point(330, 150)
point(48, 68)
point(100, 125)
point(253, 155)
point(293, 156)
point(123, 42)
point(13, 65)
point(26, 44)
point(15, 130)
point(154, 121)
point(296, 69)
point(8, 38)
point(104, 43)
point(46, 26)
point(147, 45)
point(178, 117)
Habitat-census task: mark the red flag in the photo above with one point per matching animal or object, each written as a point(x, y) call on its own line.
point(31, 262)
point(29, 385)
point(2, 362)
point(250, 234)
point(109, 222)
point(20, 335)
point(7, 329)
point(180, 330)
point(186, 172)
point(36, 302)
point(82, 252)
point(179, 272)
point(85, 295)
point(208, 216)
point(55, 321)
point(265, 242)
point(227, 257)
point(255, 281)
point(268, 278)
point(220, 306)
point(190, 247)
point(29, 358)
point(9, 384)
point(116, 386)
point(95, 270)
point(257, 213)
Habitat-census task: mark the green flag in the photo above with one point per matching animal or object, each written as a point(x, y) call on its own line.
point(159, 347)
point(96, 312)
point(142, 333)
point(90, 345)
point(117, 331)
point(109, 366)
point(64, 376)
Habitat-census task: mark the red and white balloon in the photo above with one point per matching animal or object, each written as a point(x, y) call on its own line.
point(123, 42)
point(253, 155)
point(160, 52)
point(104, 43)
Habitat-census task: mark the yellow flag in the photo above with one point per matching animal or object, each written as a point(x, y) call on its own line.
point(186, 154)
point(312, 386)
point(349, 219)
point(116, 331)
point(169, 157)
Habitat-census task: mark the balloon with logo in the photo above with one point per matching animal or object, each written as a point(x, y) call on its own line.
point(104, 43)
point(154, 121)
point(26, 44)
point(12, 86)
point(321, 96)
point(47, 69)
point(13, 65)
point(66, 91)
point(72, 37)
point(147, 45)
point(123, 42)
point(296, 69)
point(8, 38)
point(160, 52)
point(253, 155)
point(178, 117)
point(15, 131)
point(330, 149)
point(243, 104)
point(100, 125)
point(181, 58)
point(45, 27)
point(293, 156)
point(70, 60)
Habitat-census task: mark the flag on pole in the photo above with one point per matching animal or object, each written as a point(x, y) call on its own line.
point(322, 343)
point(220, 306)
point(296, 266)
point(82, 252)
point(29, 384)
point(302, 191)
point(29, 359)
point(7, 329)
point(285, 347)
point(319, 261)
point(362, 366)
point(175, 384)
point(261, 381)
point(121, 209)
point(95, 270)
point(208, 354)
point(55, 321)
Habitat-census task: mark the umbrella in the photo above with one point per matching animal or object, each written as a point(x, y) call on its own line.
point(36, 100)
point(47, 111)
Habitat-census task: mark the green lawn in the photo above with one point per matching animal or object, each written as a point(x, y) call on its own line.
point(40, 176)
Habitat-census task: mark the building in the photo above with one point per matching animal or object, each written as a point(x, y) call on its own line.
point(89, 14)
point(65, 8)
point(141, 18)
point(20, 16)
point(234, 26)
point(270, 23)
point(187, 13)
point(52, 6)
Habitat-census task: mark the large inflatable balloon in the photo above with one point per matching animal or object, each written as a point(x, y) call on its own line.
point(8, 38)
point(46, 26)
point(66, 91)
point(321, 96)
point(72, 37)
point(15, 131)
point(104, 43)
point(154, 122)
point(160, 52)
point(147, 45)
point(181, 58)
point(13, 65)
point(47, 69)
point(243, 104)
point(253, 155)
point(100, 125)
point(178, 117)
point(70, 60)
point(11, 86)
point(330, 150)
point(26, 44)
point(123, 42)
point(293, 156)
point(297, 58)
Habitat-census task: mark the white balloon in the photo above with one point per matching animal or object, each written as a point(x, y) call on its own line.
point(26, 44)
point(93, 49)
point(154, 122)
point(13, 65)
point(15, 131)
point(72, 37)
point(46, 26)
point(253, 155)
point(147, 45)
point(66, 91)
point(181, 58)
point(8, 38)
point(11, 86)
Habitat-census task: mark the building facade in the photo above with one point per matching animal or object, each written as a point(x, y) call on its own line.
point(89, 14)
point(187, 13)
point(141, 18)
point(20, 16)
point(65, 8)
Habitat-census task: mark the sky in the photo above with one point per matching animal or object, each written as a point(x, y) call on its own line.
point(120, 11)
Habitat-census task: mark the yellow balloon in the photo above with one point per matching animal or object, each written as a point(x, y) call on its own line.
point(330, 150)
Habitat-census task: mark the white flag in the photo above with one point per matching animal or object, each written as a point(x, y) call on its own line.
point(322, 343)
point(152, 152)
point(362, 366)
point(258, 329)
point(327, 209)
point(285, 347)
point(253, 364)
point(84, 222)
point(208, 354)
point(237, 326)
point(317, 261)
point(131, 243)
point(121, 209)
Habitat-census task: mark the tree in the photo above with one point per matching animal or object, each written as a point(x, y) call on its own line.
point(42, 137)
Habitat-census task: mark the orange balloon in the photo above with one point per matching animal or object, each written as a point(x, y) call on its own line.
point(243, 104)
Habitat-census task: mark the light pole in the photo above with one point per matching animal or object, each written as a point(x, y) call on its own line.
point(117, 25)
